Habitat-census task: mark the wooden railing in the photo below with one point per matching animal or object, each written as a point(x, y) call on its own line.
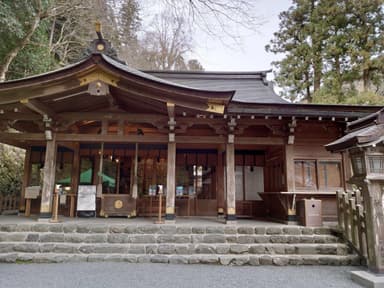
point(351, 217)
point(9, 203)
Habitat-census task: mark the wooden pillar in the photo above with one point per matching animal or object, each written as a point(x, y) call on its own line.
point(26, 177)
point(346, 170)
point(171, 177)
point(231, 185)
point(220, 183)
point(75, 178)
point(374, 221)
point(48, 178)
point(289, 168)
point(290, 178)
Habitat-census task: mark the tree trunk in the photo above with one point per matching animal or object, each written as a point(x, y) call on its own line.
point(317, 75)
point(13, 53)
point(338, 78)
point(366, 76)
point(308, 87)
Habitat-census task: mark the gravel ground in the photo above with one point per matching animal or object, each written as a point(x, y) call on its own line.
point(97, 275)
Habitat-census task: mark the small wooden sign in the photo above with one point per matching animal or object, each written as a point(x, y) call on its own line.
point(32, 192)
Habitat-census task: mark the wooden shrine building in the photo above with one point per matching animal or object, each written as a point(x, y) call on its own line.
point(216, 143)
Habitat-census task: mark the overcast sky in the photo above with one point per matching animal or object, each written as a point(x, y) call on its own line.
point(250, 54)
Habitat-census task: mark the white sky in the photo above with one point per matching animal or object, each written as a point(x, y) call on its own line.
point(250, 54)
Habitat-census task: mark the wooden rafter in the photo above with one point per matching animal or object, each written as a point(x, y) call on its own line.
point(39, 107)
point(135, 100)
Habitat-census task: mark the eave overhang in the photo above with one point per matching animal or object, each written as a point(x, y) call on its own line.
point(301, 110)
point(367, 131)
point(74, 80)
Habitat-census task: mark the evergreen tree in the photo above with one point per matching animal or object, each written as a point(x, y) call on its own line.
point(21, 23)
point(11, 169)
point(332, 48)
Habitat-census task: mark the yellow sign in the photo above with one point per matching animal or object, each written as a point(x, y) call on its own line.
point(98, 75)
point(215, 108)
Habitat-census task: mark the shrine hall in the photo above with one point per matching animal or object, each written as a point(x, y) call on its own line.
point(110, 140)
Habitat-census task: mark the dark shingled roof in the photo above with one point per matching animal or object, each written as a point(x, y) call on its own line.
point(251, 87)
point(360, 138)
point(363, 132)
point(155, 78)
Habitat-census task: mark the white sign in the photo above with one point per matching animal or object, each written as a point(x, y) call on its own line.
point(86, 198)
point(32, 192)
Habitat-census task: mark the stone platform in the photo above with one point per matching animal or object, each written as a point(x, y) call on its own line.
point(205, 241)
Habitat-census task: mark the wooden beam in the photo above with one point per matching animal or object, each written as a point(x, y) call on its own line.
point(38, 107)
point(99, 116)
point(4, 136)
point(8, 136)
point(201, 139)
point(260, 140)
point(10, 116)
point(38, 90)
point(112, 138)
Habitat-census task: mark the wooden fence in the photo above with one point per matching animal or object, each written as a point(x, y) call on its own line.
point(351, 216)
point(9, 203)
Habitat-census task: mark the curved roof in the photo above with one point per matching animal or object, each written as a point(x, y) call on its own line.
point(130, 85)
point(115, 64)
point(250, 87)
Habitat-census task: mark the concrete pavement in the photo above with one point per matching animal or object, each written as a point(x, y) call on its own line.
point(116, 275)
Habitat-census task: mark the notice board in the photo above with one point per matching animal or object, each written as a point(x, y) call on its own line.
point(86, 198)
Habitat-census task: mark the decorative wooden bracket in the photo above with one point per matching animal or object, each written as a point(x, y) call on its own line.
point(231, 129)
point(291, 137)
point(98, 88)
point(48, 128)
point(171, 122)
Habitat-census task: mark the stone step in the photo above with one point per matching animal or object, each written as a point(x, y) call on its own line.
point(223, 259)
point(164, 229)
point(107, 237)
point(105, 248)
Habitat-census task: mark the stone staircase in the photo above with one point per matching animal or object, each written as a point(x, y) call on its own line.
point(175, 244)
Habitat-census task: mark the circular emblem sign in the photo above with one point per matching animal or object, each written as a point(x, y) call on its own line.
point(100, 47)
point(118, 204)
